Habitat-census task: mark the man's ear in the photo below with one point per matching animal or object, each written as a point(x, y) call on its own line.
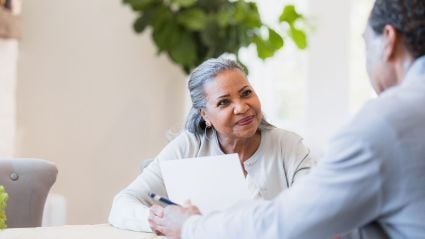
point(391, 38)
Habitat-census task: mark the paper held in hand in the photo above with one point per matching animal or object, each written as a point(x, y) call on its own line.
point(211, 183)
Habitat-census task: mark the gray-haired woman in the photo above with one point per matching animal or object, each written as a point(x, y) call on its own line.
point(225, 118)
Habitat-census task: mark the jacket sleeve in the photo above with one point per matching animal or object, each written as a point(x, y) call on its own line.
point(343, 192)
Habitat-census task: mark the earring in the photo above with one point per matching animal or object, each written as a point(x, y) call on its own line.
point(208, 124)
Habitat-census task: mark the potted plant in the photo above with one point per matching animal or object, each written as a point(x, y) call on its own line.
point(191, 31)
point(3, 201)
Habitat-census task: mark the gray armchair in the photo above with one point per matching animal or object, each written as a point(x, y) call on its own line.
point(27, 181)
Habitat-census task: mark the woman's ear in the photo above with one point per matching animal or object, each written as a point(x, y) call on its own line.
point(205, 117)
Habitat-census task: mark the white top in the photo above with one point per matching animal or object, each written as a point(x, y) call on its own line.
point(372, 180)
point(278, 162)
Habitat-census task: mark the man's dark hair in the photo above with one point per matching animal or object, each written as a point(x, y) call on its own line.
point(407, 17)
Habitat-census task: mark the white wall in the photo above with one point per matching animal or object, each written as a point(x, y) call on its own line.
point(328, 80)
point(92, 97)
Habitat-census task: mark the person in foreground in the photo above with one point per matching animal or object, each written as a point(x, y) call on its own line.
point(225, 118)
point(371, 184)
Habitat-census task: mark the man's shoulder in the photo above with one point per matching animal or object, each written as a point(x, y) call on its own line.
point(387, 116)
point(395, 105)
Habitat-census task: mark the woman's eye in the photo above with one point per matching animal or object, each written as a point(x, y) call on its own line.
point(223, 103)
point(246, 93)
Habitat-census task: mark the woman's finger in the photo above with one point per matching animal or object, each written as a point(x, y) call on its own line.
point(165, 231)
point(156, 220)
point(157, 210)
point(153, 226)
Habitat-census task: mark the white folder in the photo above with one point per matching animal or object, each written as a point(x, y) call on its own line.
point(211, 183)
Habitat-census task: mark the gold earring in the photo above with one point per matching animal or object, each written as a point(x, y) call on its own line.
point(208, 124)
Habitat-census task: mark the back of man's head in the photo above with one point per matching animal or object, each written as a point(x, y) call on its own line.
point(407, 17)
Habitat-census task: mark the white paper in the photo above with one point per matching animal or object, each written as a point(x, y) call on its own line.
point(211, 183)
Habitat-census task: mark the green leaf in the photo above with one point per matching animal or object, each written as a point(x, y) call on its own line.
point(161, 15)
point(194, 19)
point(299, 37)
point(184, 52)
point(141, 23)
point(275, 39)
point(211, 35)
point(264, 50)
point(232, 44)
point(165, 37)
point(184, 3)
point(149, 16)
point(140, 5)
point(247, 14)
point(224, 16)
point(244, 37)
point(267, 47)
point(289, 14)
point(252, 18)
point(212, 5)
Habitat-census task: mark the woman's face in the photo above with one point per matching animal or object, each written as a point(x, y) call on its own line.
point(232, 106)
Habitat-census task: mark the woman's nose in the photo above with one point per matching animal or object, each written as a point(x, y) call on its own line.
point(240, 108)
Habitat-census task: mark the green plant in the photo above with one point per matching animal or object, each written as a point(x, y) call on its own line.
point(191, 31)
point(3, 201)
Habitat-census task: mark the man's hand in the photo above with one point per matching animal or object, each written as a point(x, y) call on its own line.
point(169, 221)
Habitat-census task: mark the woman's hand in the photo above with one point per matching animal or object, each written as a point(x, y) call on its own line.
point(172, 218)
point(156, 212)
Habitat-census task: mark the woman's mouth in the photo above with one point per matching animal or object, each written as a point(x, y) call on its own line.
point(245, 121)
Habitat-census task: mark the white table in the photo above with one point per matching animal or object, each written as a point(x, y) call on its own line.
point(99, 231)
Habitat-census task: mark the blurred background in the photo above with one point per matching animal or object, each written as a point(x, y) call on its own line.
point(81, 89)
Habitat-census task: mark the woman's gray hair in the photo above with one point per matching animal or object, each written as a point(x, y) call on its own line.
point(208, 70)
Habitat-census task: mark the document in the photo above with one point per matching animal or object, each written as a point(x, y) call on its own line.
point(211, 183)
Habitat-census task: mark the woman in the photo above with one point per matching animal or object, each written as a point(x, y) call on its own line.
point(225, 118)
